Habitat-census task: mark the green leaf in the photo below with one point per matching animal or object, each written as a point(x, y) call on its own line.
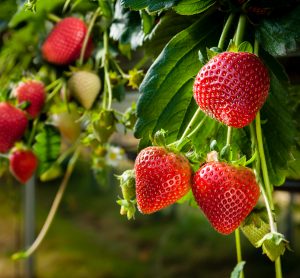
point(167, 100)
point(245, 47)
point(147, 22)
point(279, 129)
point(280, 35)
point(127, 28)
point(190, 7)
point(167, 27)
point(106, 8)
point(47, 147)
point(238, 270)
point(43, 7)
point(152, 6)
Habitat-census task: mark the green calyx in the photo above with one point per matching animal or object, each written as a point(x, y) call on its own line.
point(127, 184)
point(257, 229)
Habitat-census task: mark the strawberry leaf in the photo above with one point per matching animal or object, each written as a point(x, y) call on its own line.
point(190, 7)
point(47, 147)
point(127, 27)
point(166, 101)
point(279, 36)
point(167, 27)
point(279, 129)
point(238, 270)
point(151, 5)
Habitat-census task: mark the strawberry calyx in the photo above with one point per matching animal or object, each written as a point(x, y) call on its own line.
point(128, 203)
point(273, 245)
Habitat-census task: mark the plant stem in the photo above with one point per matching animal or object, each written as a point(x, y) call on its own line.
point(197, 127)
point(106, 69)
point(54, 92)
point(52, 211)
point(229, 133)
point(262, 157)
point(53, 84)
point(225, 31)
point(240, 29)
point(238, 248)
point(32, 133)
point(87, 36)
point(54, 18)
point(188, 128)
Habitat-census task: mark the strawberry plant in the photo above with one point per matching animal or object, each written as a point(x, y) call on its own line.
point(215, 117)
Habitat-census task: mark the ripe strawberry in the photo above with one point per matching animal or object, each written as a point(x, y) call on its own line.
point(162, 178)
point(64, 43)
point(34, 93)
point(225, 193)
point(13, 123)
point(22, 164)
point(85, 87)
point(232, 87)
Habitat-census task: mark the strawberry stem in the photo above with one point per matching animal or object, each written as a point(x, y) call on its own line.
point(54, 91)
point(240, 29)
point(238, 248)
point(262, 157)
point(189, 126)
point(106, 71)
point(54, 18)
point(52, 212)
point(32, 133)
point(225, 31)
point(229, 135)
point(87, 36)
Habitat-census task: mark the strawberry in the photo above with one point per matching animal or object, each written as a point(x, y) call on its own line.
point(162, 178)
point(64, 43)
point(22, 164)
point(13, 123)
point(85, 87)
point(33, 92)
point(232, 87)
point(226, 194)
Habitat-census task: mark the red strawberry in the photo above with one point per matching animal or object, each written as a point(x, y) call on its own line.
point(34, 93)
point(162, 178)
point(22, 164)
point(64, 43)
point(232, 87)
point(225, 193)
point(13, 123)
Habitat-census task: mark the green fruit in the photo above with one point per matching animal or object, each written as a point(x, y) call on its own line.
point(68, 124)
point(85, 86)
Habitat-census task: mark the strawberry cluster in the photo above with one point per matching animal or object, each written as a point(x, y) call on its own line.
point(231, 88)
point(62, 47)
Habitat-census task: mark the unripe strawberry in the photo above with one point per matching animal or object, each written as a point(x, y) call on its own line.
point(13, 123)
point(68, 124)
point(232, 87)
point(22, 164)
point(85, 87)
point(63, 45)
point(225, 193)
point(162, 178)
point(34, 93)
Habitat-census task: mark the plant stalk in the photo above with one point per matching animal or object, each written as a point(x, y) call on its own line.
point(52, 211)
point(225, 30)
point(238, 248)
point(87, 36)
point(240, 29)
point(106, 70)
